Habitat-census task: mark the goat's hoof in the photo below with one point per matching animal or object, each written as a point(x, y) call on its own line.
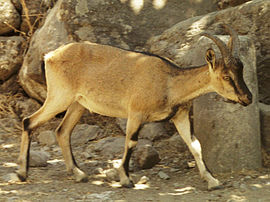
point(130, 185)
point(217, 187)
point(81, 178)
point(127, 184)
point(21, 175)
point(214, 185)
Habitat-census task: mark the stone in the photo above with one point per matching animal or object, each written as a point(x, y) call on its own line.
point(8, 126)
point(10, 86)
point(163, 175)
point(83, 133)
point(265, 127)
point(107, 22)
point(9, 17)
point(112, 175)
point(122, 123)
point(143, 180)
point(146, 157)
point(102, 196)
point(110, 146)
point(177, 143)
point(26, 107)
point(38, 158)
point(223, 4)
point(47, 138)
point(153, 131)
point(11, 55)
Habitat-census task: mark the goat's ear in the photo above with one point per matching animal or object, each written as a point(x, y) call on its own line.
point(210, 58)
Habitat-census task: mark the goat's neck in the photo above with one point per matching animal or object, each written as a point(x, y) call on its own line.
point(189, 84)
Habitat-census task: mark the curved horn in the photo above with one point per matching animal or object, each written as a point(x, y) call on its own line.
point(234, 40)
point(221, 45)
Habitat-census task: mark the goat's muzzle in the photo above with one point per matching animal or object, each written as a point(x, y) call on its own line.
point(246, 99)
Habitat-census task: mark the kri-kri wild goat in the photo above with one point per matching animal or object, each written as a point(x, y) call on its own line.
point(138, 86)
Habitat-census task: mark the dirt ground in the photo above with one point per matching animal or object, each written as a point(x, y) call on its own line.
point(52, 183)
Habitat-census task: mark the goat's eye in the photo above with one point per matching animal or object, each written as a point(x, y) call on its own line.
point(226, 78)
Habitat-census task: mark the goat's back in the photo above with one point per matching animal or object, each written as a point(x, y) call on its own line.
point(107, 75)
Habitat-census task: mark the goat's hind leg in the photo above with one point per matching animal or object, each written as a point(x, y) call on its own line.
point(45, 113)
point(63, 133)
point(132, 131)
point(182, 123)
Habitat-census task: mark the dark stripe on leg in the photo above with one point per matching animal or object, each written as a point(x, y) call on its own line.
point(133, 138)
point(126, 163)
point(26, 123)
point(73, 159)
point(28, 152)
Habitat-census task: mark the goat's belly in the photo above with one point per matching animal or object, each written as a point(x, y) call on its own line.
point(102, 107)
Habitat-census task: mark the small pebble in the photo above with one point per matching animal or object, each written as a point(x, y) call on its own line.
point(143, 180)
point(163, 175)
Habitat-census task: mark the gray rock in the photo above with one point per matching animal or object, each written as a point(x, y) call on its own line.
point(146, 156)
point(11, 55)
point(103, 196)
point(143, 142)
point(47, 137)
point(8, 16)
point(26, 107)
point(153, 131)
point(163, 175)
point(110, 146)
point(112, 175)
point(87, 155)
point(223, 4)
point(177, 143)
point(38, 158)
point(265, 127)
point(84, 133)
point(7, 126)
point(122, 124)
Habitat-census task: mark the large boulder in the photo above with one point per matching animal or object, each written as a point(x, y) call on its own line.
point(229, 134)
point(117, 23)
point(265, 126)
point(9, 17)
point(11, 55)
point(251, 18)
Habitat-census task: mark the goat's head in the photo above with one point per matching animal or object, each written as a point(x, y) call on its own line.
point(227, 72)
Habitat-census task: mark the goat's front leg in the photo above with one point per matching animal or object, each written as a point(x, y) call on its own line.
point(132, 131)
point(182, 123)
point(63, 133)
